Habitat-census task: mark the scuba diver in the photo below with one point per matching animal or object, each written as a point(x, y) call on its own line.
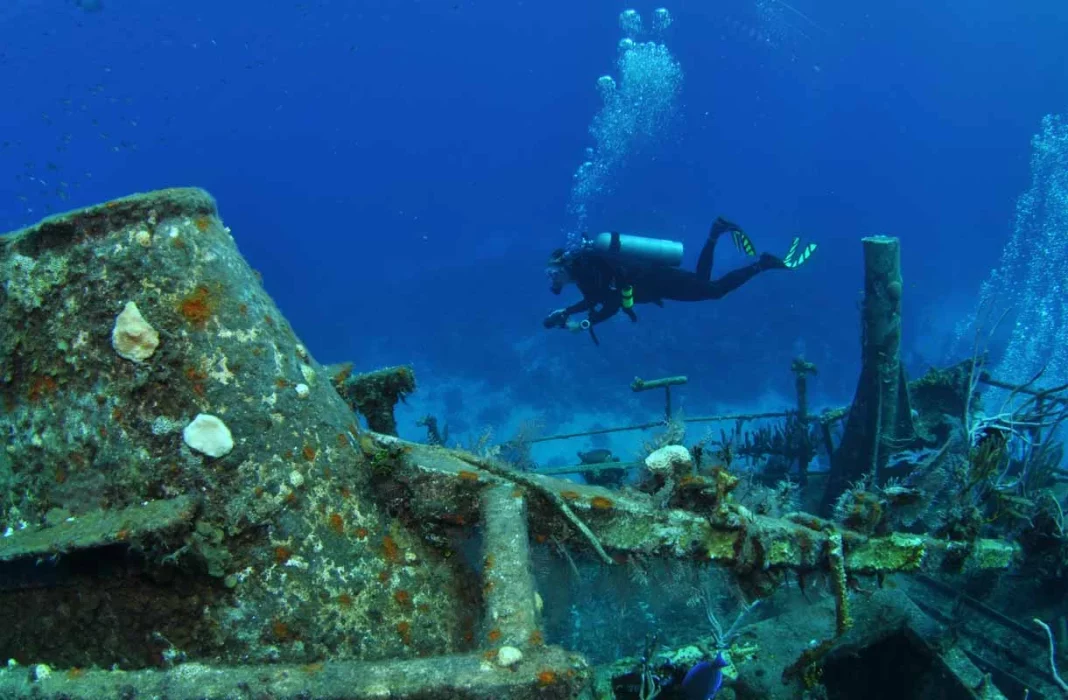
point(616, 271)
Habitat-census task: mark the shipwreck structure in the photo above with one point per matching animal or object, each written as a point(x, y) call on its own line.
point(191, 509)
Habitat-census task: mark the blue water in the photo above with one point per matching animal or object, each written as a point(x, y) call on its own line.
point(398, 171)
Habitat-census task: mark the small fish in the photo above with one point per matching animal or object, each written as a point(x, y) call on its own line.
point(597, 457)
point(703, 681)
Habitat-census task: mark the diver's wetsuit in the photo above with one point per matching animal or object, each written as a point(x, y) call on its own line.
point(601, 281)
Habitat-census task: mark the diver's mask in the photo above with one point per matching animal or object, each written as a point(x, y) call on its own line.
point(557, 270)
point(558, 277)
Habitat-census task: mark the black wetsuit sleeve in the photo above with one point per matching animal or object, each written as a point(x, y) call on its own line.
point(578, 306)
point(609, 308)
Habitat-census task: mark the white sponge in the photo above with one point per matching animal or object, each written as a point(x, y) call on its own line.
point(133, 337)
point(208, 435)
point(669, 459)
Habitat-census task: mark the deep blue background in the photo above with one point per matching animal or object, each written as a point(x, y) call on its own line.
point(398, 170)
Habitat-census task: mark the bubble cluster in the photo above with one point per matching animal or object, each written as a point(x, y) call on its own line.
point(1030, 280)
point(638, 108)
point(661, 20)
point(631, 23)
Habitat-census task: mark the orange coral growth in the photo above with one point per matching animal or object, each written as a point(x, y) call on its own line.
point(404, 629)
point(570, 495)
point(197, 307)
point(344, 373)
point(280, 630)
point(390, 551)
point(337, 523)
point(309, 452)
point(494, 635)
point(403, 598)
point(602, 503)
point(281, 383)
point(282, 554)
point(468, 476)
point(203, 223)
point(39, 386)
point(536, 638)
point(342, 440)
point(360, 533)
point(344, 600)
point(197, 377)
point(75, 673)
point(546, 677)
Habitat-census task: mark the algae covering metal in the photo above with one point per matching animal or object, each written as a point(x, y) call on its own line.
point(99, 529)
point(549, 674)
point(287, 556)
point(442, 486)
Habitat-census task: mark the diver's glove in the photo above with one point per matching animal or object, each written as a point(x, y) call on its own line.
point(557, 319)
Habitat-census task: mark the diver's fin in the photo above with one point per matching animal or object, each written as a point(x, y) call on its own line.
point(742, 242)
point(797, 256)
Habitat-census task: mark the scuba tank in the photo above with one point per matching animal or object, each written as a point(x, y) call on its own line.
point(637, 249)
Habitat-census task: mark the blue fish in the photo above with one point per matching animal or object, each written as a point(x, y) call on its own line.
point(703, 681)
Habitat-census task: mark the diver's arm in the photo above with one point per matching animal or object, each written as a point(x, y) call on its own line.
point(558, 318)
point(581, 305)
point(607, 310)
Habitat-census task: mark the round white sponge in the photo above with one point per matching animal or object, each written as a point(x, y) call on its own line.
point(669, 459)
point(208, 435)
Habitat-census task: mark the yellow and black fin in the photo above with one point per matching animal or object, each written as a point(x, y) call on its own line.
point(742, 242)
point(797, 256)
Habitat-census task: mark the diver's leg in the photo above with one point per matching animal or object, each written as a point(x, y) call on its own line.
point(719, 227)
point(704, 261)
point(716, 289)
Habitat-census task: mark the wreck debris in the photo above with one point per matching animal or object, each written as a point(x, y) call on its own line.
point(1052, 655)
point(289, 530)
point(880, 417)
point(101, 528)
point(508, 577)
point(550, 495)
point(628, 521)
point(548, 672)
point(664, 383)
point(802, 369)
point(374, 395)
point(836, 560)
